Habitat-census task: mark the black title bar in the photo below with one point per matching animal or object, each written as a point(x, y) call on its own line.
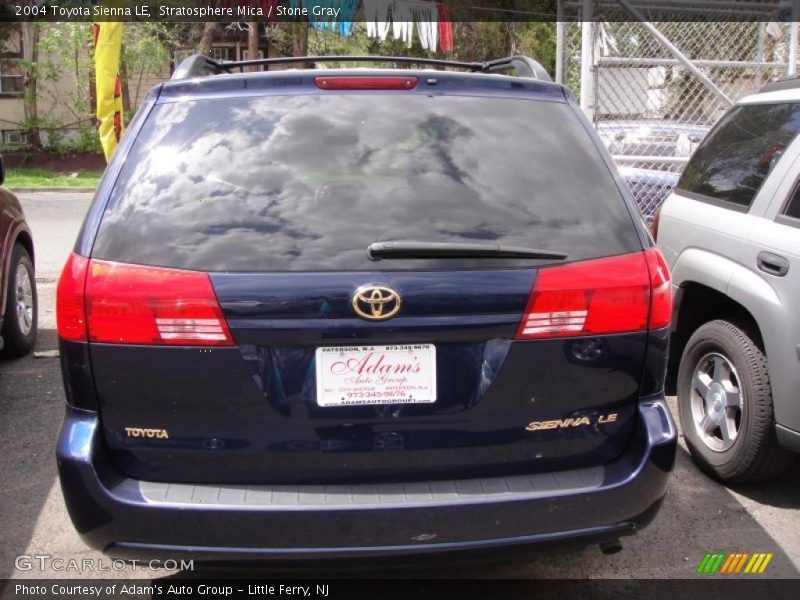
point(277, 11)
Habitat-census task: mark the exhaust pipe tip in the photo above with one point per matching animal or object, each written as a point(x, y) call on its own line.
point(611, 547)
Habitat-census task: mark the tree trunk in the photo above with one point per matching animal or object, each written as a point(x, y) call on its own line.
point(30, 54)
point(126, 90)
point(300, 38)
point(209, 31)
point(93, 91)
point(252, 43)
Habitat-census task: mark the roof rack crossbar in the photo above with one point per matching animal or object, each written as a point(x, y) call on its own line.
point(524, 66)
point(199, 65)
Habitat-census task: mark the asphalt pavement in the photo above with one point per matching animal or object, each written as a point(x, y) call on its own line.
point(698, 515)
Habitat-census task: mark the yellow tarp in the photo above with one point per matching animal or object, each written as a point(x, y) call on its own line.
point(107, 48)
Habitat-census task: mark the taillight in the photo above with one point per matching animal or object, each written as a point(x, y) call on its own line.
point(654, 225)
point(660, 289)
point(70, 310)
point(366, 83)
point(130, 304)
point(601, 296)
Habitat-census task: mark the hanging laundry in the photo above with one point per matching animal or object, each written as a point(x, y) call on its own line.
point(321, 14)
point(403, 22)
point(445, 28)
point(378, 17)
point(426, 16)
point(317, 11)
point(347, 16)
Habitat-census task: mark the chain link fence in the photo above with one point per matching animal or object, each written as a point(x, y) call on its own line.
point(649, 106)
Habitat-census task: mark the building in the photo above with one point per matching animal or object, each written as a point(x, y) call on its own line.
point(65, 86)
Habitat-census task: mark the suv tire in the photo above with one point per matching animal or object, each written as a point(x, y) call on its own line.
point(751, 452)
point(19, 336)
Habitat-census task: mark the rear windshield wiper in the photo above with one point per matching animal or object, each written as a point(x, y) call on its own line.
point(380, 250)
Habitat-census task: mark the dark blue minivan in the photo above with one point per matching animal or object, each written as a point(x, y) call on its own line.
point(362, 312)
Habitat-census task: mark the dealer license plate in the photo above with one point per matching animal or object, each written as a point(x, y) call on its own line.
point(365, 375)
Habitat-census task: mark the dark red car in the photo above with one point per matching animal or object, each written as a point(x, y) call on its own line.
point(18, 301)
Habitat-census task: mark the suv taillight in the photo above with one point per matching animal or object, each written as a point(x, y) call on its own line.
point(608, 295)
point(133, 304)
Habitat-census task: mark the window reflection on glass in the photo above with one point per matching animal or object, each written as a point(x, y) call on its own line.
point(308, 182)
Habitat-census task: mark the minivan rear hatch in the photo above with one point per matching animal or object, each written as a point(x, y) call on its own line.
point(333, 359)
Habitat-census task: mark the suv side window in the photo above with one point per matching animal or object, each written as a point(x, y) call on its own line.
point(731, 164)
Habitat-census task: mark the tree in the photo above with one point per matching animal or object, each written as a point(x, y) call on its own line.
point(147, 50)
point(65, 75)
point(30, 58)
point(300, 38)
point(209, 31)
point(252, 42)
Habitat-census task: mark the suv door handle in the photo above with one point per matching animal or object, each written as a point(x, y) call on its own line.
point(774, 264)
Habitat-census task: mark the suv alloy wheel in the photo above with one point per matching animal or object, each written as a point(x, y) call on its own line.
point(725, 404)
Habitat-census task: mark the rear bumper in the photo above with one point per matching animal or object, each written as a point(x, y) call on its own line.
point(134, 519)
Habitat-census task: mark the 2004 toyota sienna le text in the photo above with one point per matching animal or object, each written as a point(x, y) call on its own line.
point(329, 313)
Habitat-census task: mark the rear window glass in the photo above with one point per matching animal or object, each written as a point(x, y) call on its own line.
point(733, 161)
point(308, 182)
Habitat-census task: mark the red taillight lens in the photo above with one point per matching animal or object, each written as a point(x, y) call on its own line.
point(70, 313)
point(366, 83)
point(654, 225)
point(660, 289)
point(131, 304)
point(602, 296)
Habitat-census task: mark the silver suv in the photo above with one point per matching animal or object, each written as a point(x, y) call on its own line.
point(730, 233)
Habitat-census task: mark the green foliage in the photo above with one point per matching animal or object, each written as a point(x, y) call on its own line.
point(321, 43)
point(486, 41)
point(64, 70)
point(86, 140)
point(147, 49)
point(39, 178)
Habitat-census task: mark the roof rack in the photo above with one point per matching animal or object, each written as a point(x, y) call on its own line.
point(199, 65)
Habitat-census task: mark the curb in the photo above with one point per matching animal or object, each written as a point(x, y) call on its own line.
point(82, 190)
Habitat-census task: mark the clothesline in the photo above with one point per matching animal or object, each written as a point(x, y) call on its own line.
point(400, 18)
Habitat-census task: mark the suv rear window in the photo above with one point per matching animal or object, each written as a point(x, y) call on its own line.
point(735, 158)
point(307, 182)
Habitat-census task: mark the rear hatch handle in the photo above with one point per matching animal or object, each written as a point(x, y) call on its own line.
point(380, 250)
